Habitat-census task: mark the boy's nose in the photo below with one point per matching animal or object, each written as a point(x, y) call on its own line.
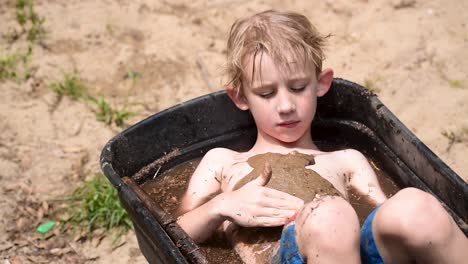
point(286, 105)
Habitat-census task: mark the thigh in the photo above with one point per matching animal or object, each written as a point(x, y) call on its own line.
point(414, 224)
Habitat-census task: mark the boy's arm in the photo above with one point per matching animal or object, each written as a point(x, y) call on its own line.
point(204, 208)
point(204, 185)
point(363, 178)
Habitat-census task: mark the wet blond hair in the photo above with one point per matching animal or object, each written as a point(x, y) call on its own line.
point(285, 36)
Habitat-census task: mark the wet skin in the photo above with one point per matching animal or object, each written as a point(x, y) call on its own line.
point(290, 175)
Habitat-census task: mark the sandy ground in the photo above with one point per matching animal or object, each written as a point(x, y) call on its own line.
point(414, 53)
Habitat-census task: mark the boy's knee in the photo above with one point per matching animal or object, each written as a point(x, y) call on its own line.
point(413, 216)
point(328, 222)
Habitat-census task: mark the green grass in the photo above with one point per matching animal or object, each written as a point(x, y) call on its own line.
point(105, 113)
point(71, 86)
point(10, 66)
point(95, 205)
point(30, 21)
point(122, 115)
point(33, 26)
point(133, 75)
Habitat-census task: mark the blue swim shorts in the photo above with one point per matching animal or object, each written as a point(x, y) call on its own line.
point(369, 252)
point(288, 252)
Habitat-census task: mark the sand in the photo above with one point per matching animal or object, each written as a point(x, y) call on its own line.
point(413, 53)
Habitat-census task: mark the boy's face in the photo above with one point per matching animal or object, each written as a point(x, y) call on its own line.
point(282, 104)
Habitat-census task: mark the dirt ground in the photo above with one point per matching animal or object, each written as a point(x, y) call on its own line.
point(412, 53)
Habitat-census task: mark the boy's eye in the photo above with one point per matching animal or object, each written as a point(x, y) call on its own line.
point(298, 89)
point(266, 94)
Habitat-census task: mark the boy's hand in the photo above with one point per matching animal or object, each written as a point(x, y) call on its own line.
point(256, 205)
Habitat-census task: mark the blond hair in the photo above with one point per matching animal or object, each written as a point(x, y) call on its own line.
point(284, 36)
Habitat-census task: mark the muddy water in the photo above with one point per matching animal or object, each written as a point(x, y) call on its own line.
point(168, 188)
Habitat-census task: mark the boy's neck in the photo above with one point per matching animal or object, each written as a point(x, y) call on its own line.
point(265, 143)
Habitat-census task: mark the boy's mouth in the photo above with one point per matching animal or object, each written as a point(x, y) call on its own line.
point(288, 124)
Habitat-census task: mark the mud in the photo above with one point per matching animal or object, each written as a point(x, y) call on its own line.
point(289, 174)
point(167, 189)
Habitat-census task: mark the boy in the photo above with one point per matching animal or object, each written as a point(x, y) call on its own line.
point(275, 62)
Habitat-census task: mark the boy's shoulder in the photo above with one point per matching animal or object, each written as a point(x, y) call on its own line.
point(220, 158)
point(345, 160)
point(346, 154)
point(220, 154)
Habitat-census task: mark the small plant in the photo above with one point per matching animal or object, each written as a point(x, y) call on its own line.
point(71, 86)
point(95, 205)
point(133, 75)
point(122, 115)
point(371, 86)
point(455, 137)
point(108, 115)
point(29, 20)
point(455, 83)
point(105, 112)
point(10, 66)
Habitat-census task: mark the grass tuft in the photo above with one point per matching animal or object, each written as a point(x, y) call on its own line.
point(95, 205)
point(133, 75)
point(108, 115)
point(105, 112)
point(122, 115)
point(10, 66)
point(71, 86)
point(455, 83)
point(30, 21)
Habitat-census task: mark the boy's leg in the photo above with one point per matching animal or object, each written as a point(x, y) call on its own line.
point(327, 231)
point(412, 226)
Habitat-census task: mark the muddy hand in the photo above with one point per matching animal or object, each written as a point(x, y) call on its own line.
point(257, 205)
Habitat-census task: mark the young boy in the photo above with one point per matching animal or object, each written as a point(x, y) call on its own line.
point(275, 62)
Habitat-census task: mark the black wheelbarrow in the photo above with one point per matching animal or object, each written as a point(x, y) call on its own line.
point(348, 115)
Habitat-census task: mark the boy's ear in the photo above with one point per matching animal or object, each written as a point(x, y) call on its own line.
point(237, 97)
point(324, 82)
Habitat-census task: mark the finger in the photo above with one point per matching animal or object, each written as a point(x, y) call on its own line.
point(275, 212)
point(265, 176)
point(281, 204)
point(281, 198)
point(268, 221)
